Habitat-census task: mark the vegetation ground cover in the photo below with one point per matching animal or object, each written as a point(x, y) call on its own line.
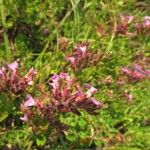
point(75, 74)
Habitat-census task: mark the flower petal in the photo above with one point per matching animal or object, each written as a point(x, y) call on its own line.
point(24, 118)
point(13, 66)
point(30, 101)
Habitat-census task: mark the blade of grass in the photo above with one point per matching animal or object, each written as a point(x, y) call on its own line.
point(67, 15)
point(3, 19)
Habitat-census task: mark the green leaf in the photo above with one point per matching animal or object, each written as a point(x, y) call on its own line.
point(3, 116)
point(71, 137)
point(82, 123)
point(41, 140)
point(83, 134)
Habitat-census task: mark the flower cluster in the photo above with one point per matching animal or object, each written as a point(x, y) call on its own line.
point(128, 96)
point(69, 96)
point(123, 24)
point(66, 96)
point(26, 107)
point(82, 57)
point(142, 27)
point(10, 79)
point(136, 72)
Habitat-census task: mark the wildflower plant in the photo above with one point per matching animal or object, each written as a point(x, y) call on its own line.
point(12, 81)
point(82, 57)
point(143, 27)
point(66, 96)
point(125, 23)
point(133, 73)
point(136, 72)
point(69, 96)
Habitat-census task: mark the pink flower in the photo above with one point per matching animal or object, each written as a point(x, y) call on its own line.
point(61, 100)
point(2, 73)
point(128, 96)
point(29, 101)
point(2, 70)
point(82, 48)
point(10, 79)
point(55, 78)
point(69, 82)
point(126, 19)
point(123, 25)
point(71, 59)
point(39, 104)
point(147, 72)
point(24, 118)
point(91, 91)
point(147, 17)
point(132, 73)
point(14, 66)
point(63, 75)
point(80, 96)
point(82, 57)
point(64, 92)
point(146, 21)
point(29, 76)
point(140, 69)
point(137, 75)
point(126, 71)
point(136, 72)
point(67, 96)
point(96, 103)
point(54, 85)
